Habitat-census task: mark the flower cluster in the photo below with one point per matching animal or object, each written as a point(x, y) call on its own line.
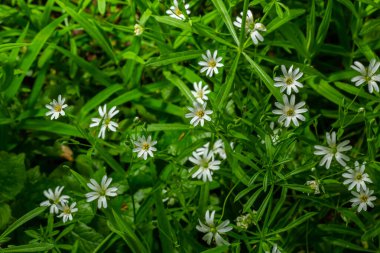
point(367, 75)
point(357, 178)
point(59, 204)
point(289, 111)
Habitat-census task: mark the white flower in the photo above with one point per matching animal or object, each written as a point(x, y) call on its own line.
point(289, 111)
point(367, 75)
point(218, 148)
point(176, 13)
point(332, 151)
point(200, 93)
point(314, 185)
point(144, 146)
point(105, 120)
point(56, 108)
point(198, 113)
point(212, 231)
point(363, 199)
point(275, 249)
point(289, 81)
point(211, 63)
point(357, 177)
point(67, 211)
point(138, 30)
point(54, 199)
point(101, 191)
point(251, 27)
point(207, 165)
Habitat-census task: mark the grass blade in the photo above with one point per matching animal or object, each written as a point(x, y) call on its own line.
point(226, 18)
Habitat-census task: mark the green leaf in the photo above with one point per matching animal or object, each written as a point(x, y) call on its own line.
point(102, 6)
point(55, 127)
point(172, 22)
point(167, 127)
point(12, 175)
point(27, 217)
point(173, 58)
point(124, 230)
point(132, 56)
point(326, 90)
point(32, 247)
point(295, 223)
point(225, 90)
point(324, 26)
point(278, 21)
point(264, 77)
point(226, 18)
point(218, 249)
point(5, 214)
point(175, 80)
point(99, 98)
point(9, 46)
point(347, 245)
point(89, 25)
point(88, 238)
point(165, 230)
point(33, 51)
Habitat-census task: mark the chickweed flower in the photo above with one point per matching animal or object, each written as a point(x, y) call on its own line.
point(175, 12)
point(138, 29)
point(144, 146)
point(333, 151)
point(289, 81)
point(213, 232)
point(100, 192)
point(199, 114)
point(67, 211)
point(105, 121)
point(367, 75)
point(206, 165)
point(200, 93)
point(362, 199)
point(289, 111)
point(217, 149)
point(54, 199)
point(56, 108)
point(314, 185)
point(211, 63)
point(357, 177)
point(251, 27)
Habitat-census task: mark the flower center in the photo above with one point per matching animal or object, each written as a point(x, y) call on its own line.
point(204, 163)
point(66, 210)
point(359, 176)
point(145, 146)
point(200, 113)
point(200, 93)
point(363, 198)
point(288, 81)
point(58, 108)
point(212, 63)
point(250, 25)
point(290, 112)
point(107, 121)
point(213, 230)
point(178, 12)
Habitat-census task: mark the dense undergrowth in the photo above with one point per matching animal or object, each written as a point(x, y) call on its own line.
point(160, 126)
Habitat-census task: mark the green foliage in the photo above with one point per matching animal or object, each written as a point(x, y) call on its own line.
point(133, 55)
